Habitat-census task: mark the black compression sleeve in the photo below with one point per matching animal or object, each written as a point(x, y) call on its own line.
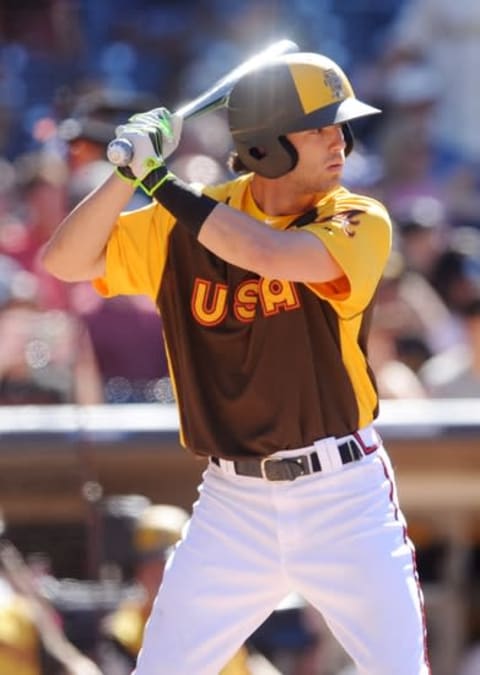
point(189, 208)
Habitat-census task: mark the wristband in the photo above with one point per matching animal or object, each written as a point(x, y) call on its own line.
point(155, 179)
point(189, 208)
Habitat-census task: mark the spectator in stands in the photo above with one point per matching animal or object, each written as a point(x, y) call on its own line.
point(455, 373)
point(424, 239)
point(404, 329)
point(46, 356)
point(445, 34)
point(404, 137)
point(158, 528)
point(87, 131)
point(423, 234)
point(440, 38)
point(395, 378)
point(20, 645)
point(126, 334)
point(41, 191)
point(127, 341)
point(415, 163)
point(32, 641)
point(456, 272)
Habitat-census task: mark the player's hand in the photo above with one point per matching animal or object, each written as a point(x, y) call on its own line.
point(153, 135)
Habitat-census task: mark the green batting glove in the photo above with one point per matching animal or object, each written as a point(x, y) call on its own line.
point(153, 136)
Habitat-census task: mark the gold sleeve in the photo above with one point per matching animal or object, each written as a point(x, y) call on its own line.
point(136, 253)
point(358, 234)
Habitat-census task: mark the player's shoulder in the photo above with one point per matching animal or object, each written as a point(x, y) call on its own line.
point(230, 191)
point(341, 200)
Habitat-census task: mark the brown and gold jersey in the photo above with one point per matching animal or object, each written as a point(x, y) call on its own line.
point(259, 365)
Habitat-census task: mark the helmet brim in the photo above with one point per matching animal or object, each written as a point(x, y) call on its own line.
point(335, 113)
point(338, 112)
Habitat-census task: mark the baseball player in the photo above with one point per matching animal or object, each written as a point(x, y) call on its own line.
point(265, 285)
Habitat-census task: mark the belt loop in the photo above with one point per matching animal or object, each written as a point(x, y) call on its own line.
point(315, 462)
point(328, 454)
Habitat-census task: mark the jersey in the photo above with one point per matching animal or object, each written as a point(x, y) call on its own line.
point(259, 365)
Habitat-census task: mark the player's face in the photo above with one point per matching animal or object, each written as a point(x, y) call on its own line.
point(321, 158)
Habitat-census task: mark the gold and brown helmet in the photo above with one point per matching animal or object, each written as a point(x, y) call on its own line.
point(293, 92)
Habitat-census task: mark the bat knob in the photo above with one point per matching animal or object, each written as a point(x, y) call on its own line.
point(120, 152)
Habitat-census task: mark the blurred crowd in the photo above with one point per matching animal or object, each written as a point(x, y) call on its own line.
point(72, 70)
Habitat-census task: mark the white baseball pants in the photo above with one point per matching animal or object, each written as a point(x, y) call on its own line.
point(336, 537)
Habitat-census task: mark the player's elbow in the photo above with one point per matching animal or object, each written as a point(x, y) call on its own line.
point(67, 268)
point(53, 263)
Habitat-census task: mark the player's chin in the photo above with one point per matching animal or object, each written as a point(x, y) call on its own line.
point(331, 179)
point(333, 174)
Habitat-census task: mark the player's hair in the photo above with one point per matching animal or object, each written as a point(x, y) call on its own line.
point(235, 164)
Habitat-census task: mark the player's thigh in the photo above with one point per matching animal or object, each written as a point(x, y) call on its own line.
point(356, 565)
point(223, 580)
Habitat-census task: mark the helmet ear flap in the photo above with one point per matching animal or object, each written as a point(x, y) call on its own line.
point(271, 158)
point(275, 157)
point(348, 137)
point(291, 153)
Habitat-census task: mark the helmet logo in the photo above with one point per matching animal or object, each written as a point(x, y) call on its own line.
point(334, 82)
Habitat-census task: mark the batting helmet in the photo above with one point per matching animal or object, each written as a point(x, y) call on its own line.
point(158, 528)
point(293, 92)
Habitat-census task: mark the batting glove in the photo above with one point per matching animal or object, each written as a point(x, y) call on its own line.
point(153, 135)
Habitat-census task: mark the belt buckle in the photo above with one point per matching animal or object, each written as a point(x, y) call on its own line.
point(263, 462)
point(292, 468)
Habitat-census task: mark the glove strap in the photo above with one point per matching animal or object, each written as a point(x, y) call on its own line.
point(190, 208)
point(126, 174)
point(155, 179)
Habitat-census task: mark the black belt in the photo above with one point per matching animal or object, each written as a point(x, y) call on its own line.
point(289, 468)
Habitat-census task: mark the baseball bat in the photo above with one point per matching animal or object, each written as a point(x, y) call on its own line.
point(120, 150)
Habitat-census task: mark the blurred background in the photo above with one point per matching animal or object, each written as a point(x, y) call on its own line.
point(88, 428)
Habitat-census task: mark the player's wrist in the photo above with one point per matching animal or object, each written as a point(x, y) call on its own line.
point(126, 174)
point(190, 208)
point(154, 180)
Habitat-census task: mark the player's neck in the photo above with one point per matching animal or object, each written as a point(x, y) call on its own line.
point(277, 198)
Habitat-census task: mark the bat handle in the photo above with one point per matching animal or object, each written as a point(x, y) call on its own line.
point(120, 151)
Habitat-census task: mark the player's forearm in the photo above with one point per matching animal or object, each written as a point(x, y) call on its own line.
point(76, 250)
point(239, 239)
point(243, 241)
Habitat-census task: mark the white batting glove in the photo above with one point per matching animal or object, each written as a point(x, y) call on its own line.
point(154, 135)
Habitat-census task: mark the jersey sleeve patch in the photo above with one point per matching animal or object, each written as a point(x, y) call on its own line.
point(358, 236)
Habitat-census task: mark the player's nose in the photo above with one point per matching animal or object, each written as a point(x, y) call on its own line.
point(337, 139)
